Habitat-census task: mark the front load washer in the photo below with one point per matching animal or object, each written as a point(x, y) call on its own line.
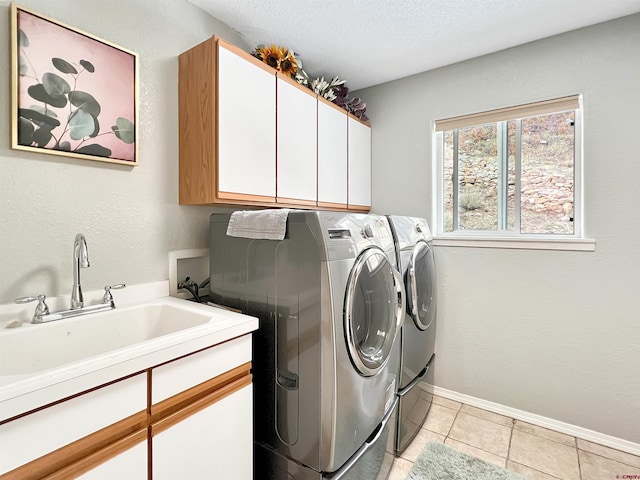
point(414, 250)
point(325, 358)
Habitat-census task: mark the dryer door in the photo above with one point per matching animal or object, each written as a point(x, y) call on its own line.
point(374, 305)
point(420, 286)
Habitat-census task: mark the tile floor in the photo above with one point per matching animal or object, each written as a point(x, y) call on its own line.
point(532, 451)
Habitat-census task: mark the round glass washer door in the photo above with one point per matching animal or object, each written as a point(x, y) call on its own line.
point(420, 286)
point(373, 310)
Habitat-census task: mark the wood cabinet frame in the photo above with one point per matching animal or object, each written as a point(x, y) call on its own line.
point(199, 140)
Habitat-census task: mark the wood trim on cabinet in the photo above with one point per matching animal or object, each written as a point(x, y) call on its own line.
point(96, 446)
point(351, 115)
point(332, 205)
point(200, 404)
point(246, 199)
point(241, 53)
point(359, 208)
point(296, 84)
point(197, 132)
point(331, 104)
point(296, 201)
point(173, 404)
point(95, 459)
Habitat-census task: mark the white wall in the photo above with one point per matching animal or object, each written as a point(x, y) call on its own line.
point(552, 333)
point(129, 215)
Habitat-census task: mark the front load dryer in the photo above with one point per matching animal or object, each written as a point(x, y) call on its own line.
point(325, 357)
point(414, 250)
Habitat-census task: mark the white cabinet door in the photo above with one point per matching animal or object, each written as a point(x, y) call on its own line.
point(297, 143)
point(179, 375)
point(37, 434)
point(246, 127)
point(359, 160)
point(216, 442)
point(332, 154)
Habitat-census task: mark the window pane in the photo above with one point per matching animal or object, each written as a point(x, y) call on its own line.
point(478, 178)
point(447, 156)
point(547, 178)
point(511, 176)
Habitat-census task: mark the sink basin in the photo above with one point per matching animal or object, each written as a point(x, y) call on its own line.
point(35, 348)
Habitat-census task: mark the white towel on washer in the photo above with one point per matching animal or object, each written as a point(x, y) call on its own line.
point(263, 224)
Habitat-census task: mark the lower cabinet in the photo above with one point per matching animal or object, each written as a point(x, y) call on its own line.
point(187, 418)
point(214, 442)
point(73, 436)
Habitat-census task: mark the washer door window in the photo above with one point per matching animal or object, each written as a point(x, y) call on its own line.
point(373, 311)
point(420, 285)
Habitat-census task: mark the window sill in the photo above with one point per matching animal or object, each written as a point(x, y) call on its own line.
point(520, 242)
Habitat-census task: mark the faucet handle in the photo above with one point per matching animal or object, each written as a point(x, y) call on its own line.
point(108, 298)
point(41, 309)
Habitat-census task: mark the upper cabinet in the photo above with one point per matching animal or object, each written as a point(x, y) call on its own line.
point(297, 114)
point(251, 136)
point(227, 126)
point(246, 127)
point(332, 155)
point(359, 161)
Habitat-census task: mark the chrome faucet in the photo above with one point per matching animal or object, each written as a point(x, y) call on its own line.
point(80, 260)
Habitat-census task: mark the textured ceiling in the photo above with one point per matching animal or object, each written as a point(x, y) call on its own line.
point(368, 42)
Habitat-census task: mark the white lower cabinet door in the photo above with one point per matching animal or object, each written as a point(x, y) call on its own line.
point(33, 438)
point(214, 443)
point(131, 465)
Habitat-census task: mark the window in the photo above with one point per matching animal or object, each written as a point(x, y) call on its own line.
point(511, 173)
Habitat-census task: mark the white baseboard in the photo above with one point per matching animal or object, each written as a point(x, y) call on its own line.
point(539, 420)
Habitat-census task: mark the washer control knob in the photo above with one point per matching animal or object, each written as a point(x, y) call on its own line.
point(418, 228)
point(367, 231)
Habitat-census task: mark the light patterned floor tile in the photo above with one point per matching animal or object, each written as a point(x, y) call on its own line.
point(476, 452)
point(492, 417)
point(440, 419)
point(534, 452)
point(477, 432)
point(527, 472)
point(595, 467)
point(611, 453)
point(544, 455)
point(417, 445)
point(544, 432)
point(445, 402)
point(400, 469)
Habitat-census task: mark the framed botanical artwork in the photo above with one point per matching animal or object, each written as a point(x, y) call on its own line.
point(73, 94)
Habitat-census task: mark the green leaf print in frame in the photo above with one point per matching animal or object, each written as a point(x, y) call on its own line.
point(73, 94)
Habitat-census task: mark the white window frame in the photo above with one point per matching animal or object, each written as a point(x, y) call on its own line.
point(505, 239)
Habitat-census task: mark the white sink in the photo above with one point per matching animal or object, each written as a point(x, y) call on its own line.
point(35, 348)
